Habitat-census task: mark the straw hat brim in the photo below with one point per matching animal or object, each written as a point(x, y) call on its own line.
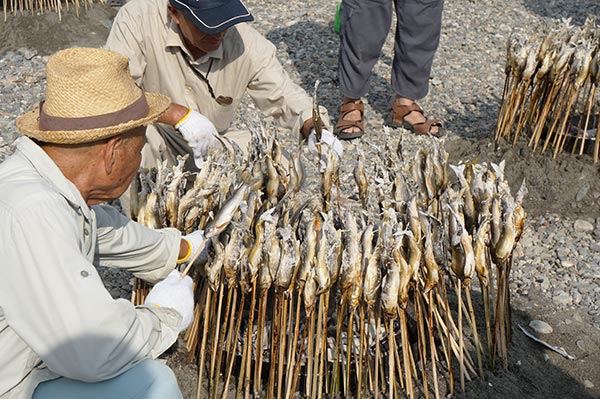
point(29, 126)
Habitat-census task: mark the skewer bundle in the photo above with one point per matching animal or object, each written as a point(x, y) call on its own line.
point(342, 282)
point(550, 88)
point(32, 6)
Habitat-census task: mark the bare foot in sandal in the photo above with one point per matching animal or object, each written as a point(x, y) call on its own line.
point(350, 124)
point(406, 113)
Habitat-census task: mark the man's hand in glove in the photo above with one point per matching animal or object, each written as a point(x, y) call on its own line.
point(176, 293)
point(194, 241)
point(199, 132)
point(328, 139)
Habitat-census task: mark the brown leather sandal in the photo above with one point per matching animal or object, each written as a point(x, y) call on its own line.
point(343, 124)
point(400, 111)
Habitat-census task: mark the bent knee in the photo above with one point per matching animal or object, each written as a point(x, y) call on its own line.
point(160, 379)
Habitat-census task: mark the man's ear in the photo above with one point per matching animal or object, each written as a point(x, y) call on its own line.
point(174, 14)
point(111, 148)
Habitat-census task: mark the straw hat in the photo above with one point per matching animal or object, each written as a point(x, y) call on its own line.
point(90, 95)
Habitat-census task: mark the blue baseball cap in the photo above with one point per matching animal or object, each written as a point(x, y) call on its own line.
point(213, 16)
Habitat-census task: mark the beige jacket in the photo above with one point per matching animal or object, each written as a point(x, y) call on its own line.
point(56, 316)
point(245, 63)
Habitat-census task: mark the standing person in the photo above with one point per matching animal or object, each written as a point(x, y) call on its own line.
point(364, 27)
point(204, 55)
point(62, 335)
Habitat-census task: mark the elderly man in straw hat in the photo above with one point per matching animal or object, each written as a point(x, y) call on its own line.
point(61, 333)
point(205, 57)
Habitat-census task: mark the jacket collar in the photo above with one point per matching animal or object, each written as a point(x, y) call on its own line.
point(47, 169)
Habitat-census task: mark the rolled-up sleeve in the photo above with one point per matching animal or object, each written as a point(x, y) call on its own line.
point(125, 38)
point(148, 254)
point(272, 89)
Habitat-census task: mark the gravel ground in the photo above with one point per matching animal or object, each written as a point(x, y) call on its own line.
point(555, 277)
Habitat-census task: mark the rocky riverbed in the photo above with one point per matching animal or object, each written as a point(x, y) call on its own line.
point(555, 273)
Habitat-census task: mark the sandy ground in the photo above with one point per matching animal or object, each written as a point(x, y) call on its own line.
point(533, 371)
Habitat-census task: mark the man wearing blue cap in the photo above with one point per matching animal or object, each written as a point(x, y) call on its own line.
point(202, 55)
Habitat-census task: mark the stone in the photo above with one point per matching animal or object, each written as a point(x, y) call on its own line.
point(583, 226)
point(582, 192)
point(562, 253)
point(541, 327)
point(588, 384)
point(567, 263)
point(562, 298)
point(595, 247)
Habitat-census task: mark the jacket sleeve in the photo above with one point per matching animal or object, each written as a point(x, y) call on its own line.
point(272, 89)
point(147, 253)
point(126, 38)
point(53, 298)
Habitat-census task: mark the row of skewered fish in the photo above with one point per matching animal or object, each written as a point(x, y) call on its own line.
point(342, 282)
point(550, 88)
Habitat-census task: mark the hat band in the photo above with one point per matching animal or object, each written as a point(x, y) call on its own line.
point(136, 110)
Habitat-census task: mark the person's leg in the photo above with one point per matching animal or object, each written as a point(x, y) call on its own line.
point(365, 25)
point(150, 379)
point(416, 41)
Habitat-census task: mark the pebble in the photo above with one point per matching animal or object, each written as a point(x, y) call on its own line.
point(588, 384)
point(541, 327)
point(567, 263)
point(562, 298)
point(583, 226)
point(582, 192)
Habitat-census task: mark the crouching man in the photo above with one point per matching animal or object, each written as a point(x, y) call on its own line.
point(62, 335)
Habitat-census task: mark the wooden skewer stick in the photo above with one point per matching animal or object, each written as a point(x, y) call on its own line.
point(232, 348)
point(591, 96)
point(194, 257)
point(250, 333)
point(204, 335)
point(597, 143)
point(478, 347)
point(217, 342)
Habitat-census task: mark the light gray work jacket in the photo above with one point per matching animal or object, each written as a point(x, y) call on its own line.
point(56, 316)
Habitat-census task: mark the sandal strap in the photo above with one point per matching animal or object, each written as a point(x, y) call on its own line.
point(425, 127)
point(352, 106)
point(343, 124)
point(400, 110)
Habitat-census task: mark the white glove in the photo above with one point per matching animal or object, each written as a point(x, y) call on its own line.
point(195, 239)
point(326, 137)
point(174, 293)
point(200, 134)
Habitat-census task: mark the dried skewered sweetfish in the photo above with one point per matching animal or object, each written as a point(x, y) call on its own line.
point(342, 290)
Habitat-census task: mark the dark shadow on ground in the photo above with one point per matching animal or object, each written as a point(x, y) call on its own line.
point(533, 371)
point(558, 9)
point(298, 39)
point(46, 33)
